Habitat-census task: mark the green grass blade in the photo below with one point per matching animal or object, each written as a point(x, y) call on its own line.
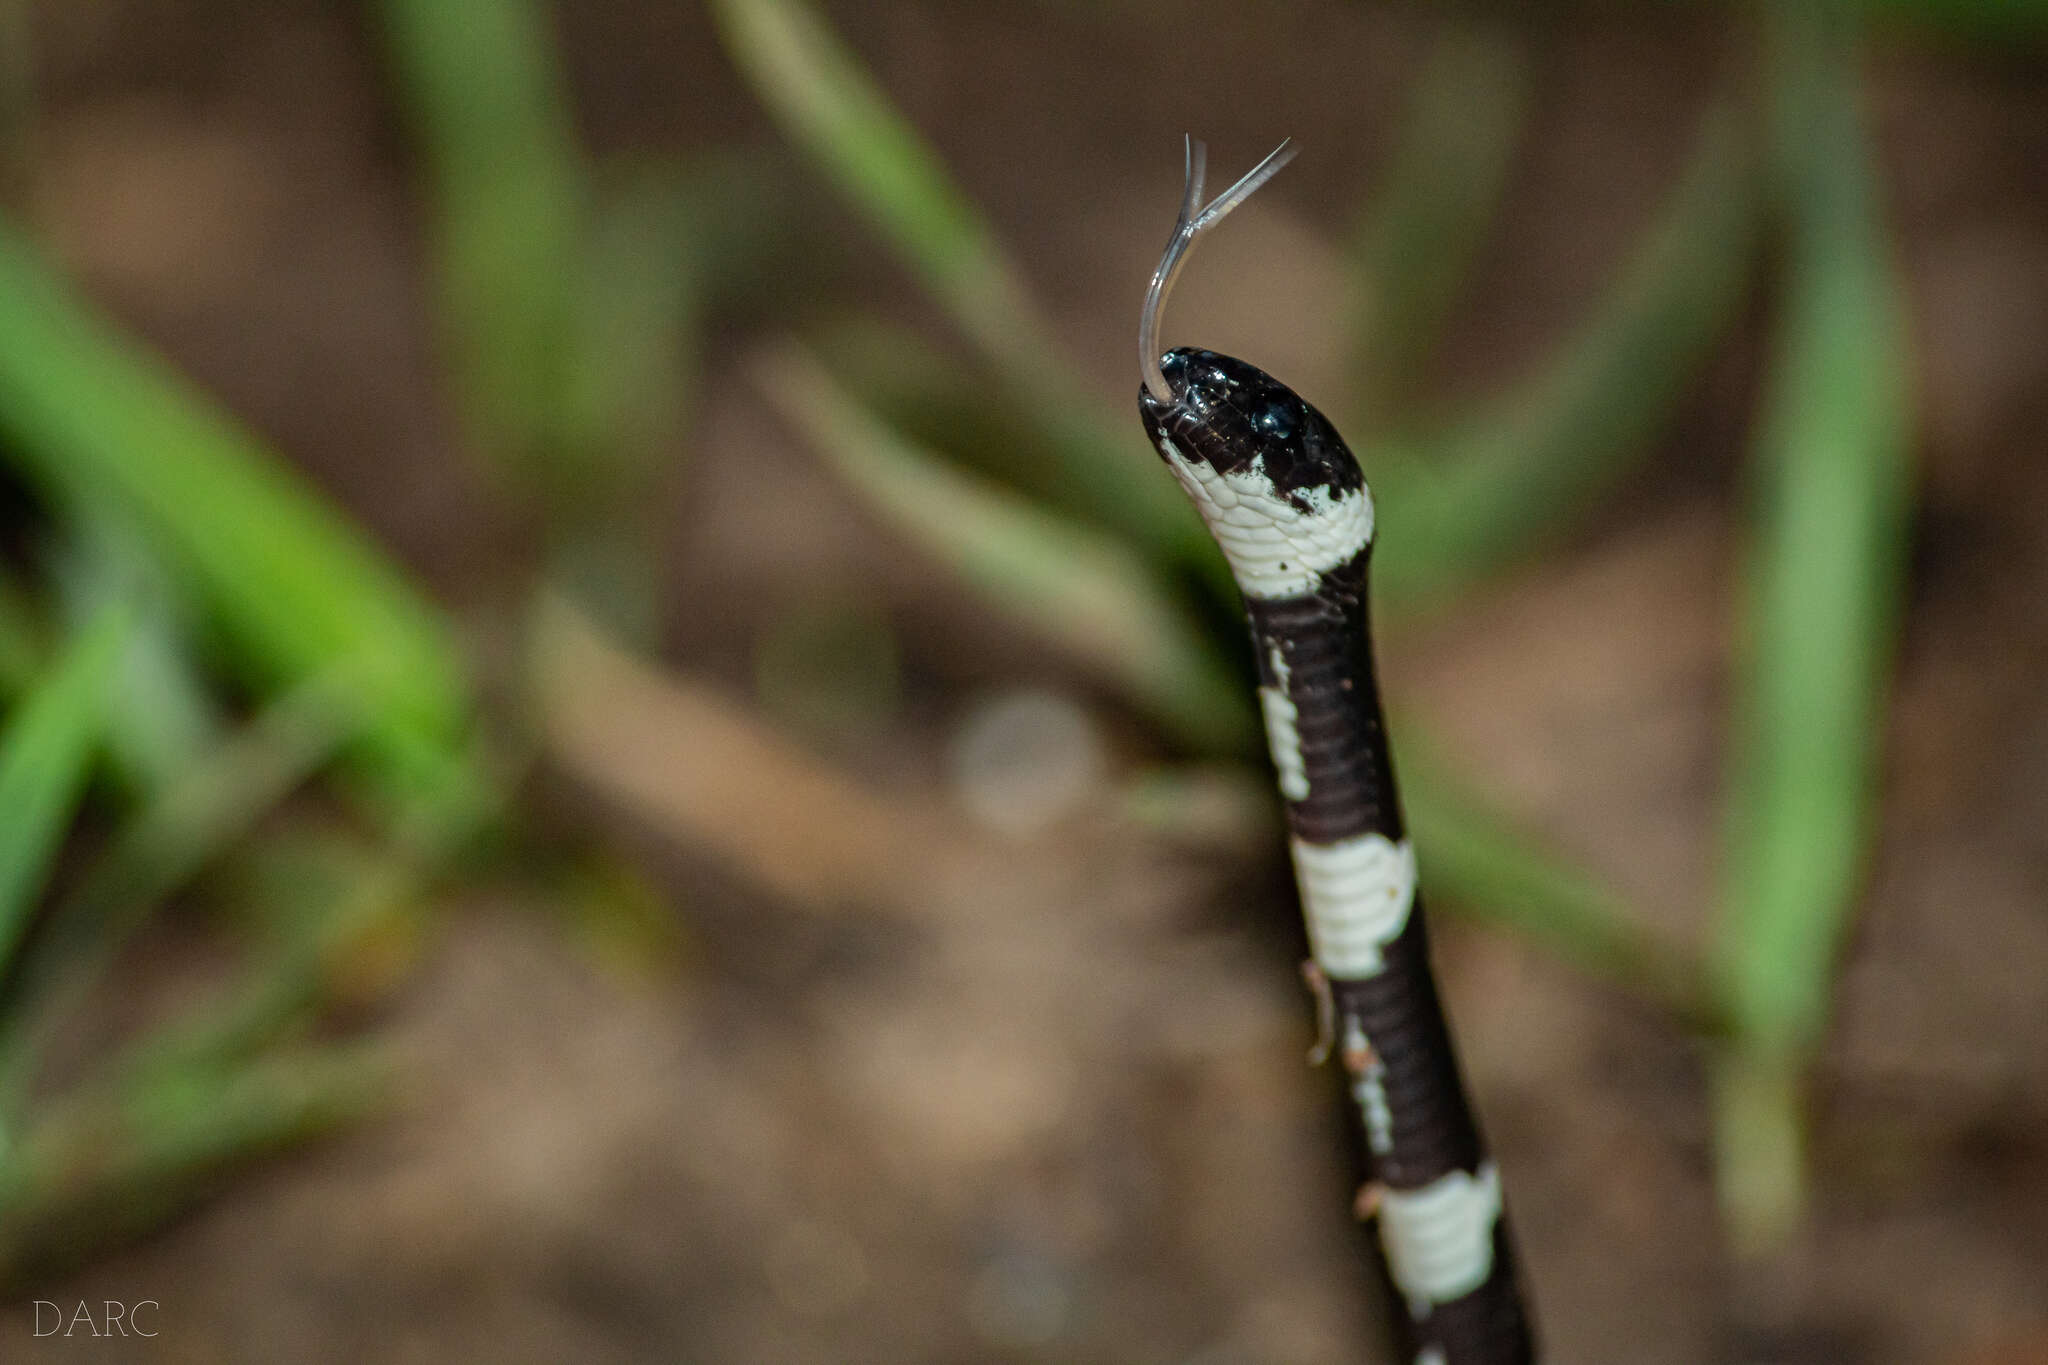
point(116, 1162)
point(485, 95)
point(355, 931)
point(1428, 218)
point(1826, 571)
point(1068, 585)
point(46, 750)
point(185, 827)
point(833, 109)
point(937, 394)
point(1483, 493)
point(289, 586)
point(638, 317)
point(161, 711)
point(629, 366)
point(1501, 878)
point(23, 642)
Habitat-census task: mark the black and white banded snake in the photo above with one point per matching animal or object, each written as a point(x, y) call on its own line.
point(1289, 506)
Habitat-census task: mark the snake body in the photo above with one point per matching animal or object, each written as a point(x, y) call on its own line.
point(1285, 499)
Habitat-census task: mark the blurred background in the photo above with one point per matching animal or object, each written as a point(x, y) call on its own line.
point(616, 750)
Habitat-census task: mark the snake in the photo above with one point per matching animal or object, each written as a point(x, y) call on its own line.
point(1287, 503)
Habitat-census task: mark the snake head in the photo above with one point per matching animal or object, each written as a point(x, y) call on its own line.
point(1269, 474)
point(1240, 421)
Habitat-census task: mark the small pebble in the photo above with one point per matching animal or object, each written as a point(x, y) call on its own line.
point(815, 1269)
point(1024, 761)
point(1020, 1300)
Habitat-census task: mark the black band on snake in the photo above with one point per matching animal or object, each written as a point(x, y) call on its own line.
point(1289, 506)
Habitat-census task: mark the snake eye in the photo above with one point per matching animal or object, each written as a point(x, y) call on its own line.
point(1276, 420)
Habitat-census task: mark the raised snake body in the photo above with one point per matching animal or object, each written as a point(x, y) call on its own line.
point(1288, 504)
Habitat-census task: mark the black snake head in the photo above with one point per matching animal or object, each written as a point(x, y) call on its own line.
point(1238, 419)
